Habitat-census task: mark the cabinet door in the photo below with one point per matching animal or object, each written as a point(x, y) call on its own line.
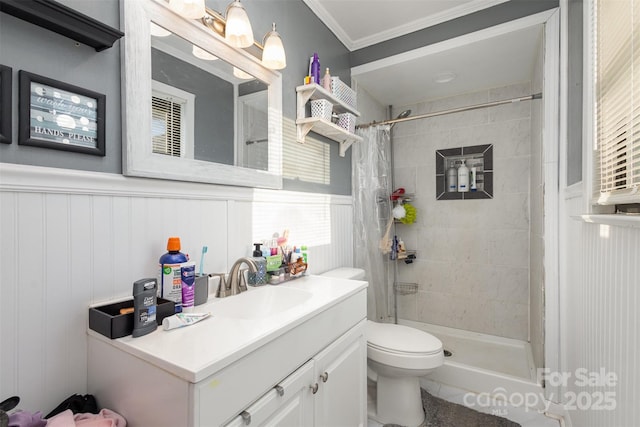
point(290, 404)
point(341, 372)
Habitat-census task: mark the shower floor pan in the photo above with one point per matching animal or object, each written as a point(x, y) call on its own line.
point(482, 363)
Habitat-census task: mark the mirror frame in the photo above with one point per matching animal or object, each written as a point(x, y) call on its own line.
point(138, 160)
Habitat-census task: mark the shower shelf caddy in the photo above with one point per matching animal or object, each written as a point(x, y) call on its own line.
point(319, 125)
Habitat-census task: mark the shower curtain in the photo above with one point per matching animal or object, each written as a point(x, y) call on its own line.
point(371, 182)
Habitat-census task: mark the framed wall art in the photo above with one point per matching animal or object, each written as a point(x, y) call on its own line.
point(61, 116)
point(5, 104)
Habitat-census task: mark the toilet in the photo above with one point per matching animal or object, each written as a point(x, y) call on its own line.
point(397, 356)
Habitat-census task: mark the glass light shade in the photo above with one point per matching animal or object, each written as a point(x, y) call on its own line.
point(241, 74)
point(200, 53)
point(238, 30)
point(158, 31)
point(273, 55)
point(190, 9)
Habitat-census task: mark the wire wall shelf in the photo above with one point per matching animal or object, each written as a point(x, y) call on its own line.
point(405, 288)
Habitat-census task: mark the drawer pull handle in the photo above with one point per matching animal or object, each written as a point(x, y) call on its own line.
point(314, 388)
point(324, 377)
point(280, 390)
point(246, 416)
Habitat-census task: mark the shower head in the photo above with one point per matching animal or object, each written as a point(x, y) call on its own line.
point(402, 115)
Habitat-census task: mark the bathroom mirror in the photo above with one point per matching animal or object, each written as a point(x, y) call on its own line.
point(229, 120)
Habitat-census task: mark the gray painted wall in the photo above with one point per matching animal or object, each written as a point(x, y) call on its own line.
point(24, 46)
point(482, 19)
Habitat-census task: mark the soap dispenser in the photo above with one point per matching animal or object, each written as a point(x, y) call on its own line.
point(260, 276)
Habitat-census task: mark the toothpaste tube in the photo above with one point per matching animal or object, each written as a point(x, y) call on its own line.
point(179, 320)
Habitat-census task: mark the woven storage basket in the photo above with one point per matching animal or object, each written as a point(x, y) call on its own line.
point(321, 108)
point(347, 121)
point(343, 92)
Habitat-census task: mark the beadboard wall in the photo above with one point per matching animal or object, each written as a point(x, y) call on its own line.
point(74, 238)
point(599, 315)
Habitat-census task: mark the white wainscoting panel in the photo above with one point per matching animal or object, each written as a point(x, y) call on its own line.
point(71, 239)
point(600, 300)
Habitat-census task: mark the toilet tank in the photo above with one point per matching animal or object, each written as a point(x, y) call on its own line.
point(346, 273)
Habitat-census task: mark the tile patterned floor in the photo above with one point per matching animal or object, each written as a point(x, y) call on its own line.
point(520, 415)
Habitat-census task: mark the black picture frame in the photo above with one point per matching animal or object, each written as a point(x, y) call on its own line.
point(6, 75)
point(60, 116)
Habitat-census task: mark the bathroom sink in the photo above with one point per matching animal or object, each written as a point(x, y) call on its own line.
point(261, 302)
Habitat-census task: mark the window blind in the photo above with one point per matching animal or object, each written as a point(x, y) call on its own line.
point(617, 85)
point(166, 116)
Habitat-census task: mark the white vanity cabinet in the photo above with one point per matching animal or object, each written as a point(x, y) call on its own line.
point(266, 368)
point(329, 390)
point(341, 372)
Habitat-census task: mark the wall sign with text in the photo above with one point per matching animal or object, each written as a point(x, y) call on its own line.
point(5, 104)
point(61, 116)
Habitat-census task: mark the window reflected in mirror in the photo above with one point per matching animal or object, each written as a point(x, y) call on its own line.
point(204, 108)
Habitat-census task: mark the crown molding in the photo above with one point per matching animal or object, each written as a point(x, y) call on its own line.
point(401, 30)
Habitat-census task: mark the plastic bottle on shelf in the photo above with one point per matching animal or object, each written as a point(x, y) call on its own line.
point(315, 69)
point(463, 178)
point(452, 178)
point(326, 81)
point(474, 186)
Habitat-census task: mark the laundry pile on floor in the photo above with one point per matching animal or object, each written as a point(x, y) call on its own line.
point(75, 411)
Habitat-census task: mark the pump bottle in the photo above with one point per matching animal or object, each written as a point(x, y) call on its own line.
point(463, 178)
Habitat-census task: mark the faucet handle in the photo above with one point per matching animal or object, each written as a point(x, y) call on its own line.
point(242, 285)
point(223, 288)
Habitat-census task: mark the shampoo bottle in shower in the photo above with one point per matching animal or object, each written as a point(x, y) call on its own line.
point(474, 186)
point(452, 178)
point(463, 178)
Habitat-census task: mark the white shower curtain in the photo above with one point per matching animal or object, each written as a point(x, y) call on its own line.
point(371, 182)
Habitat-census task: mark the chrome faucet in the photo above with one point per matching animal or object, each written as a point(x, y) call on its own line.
point(235, 283)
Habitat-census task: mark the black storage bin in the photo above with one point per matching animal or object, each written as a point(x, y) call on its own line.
point(108, 321)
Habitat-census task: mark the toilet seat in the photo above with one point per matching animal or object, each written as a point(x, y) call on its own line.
point(403, 347)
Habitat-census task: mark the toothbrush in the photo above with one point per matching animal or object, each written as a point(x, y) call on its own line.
point(204, 251)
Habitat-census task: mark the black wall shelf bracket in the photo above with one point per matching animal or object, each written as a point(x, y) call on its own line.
point(63, 20)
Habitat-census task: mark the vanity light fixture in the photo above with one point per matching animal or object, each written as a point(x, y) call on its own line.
point(200, 53)
point(190, 9)
point(241, 74)
point(236, 29)
point(273, 55)
point(158, 31)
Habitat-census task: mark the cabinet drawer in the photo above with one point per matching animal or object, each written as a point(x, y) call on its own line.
point(289, 404)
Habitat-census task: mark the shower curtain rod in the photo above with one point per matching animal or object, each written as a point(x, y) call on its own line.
point(453, 110)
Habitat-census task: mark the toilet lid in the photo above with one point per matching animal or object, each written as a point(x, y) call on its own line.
point(400, 338)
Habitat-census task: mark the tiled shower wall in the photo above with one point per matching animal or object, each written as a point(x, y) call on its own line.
point(472, 266)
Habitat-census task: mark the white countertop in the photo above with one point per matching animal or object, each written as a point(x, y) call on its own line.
point(197, 351)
